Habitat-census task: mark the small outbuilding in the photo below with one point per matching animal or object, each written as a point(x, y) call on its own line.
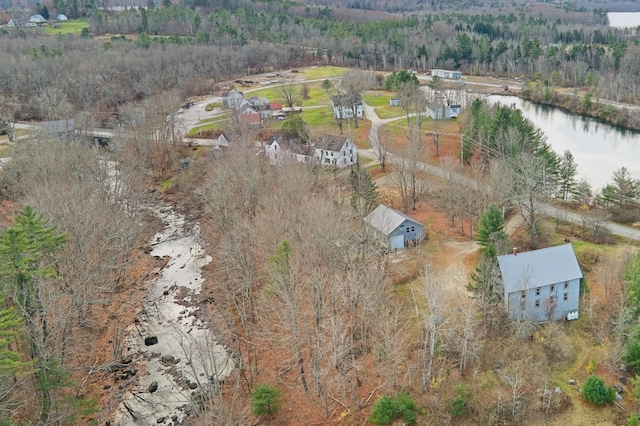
point(395, 229)
point(61, 17)
point(541, 285)
point(454, 75)
point(37, 19)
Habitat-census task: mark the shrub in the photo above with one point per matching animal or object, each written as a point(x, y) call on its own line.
point(458, 405)
point(597, 392)
point(265, 400)
point(386, 409)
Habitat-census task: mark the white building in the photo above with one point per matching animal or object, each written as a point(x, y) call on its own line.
point(455, 75)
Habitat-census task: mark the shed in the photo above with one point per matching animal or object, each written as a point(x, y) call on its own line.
point(395, 229)
point(541, 285)
point(455, 75)
point(438, 111)
point(61, 17)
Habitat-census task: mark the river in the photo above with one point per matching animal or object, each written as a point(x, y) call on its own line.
point(598, 148)
point(181, 356)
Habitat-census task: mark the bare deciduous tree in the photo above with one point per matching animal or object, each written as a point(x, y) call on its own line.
point(289, 92)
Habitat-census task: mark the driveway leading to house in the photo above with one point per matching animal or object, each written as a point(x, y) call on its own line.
point(547, 209)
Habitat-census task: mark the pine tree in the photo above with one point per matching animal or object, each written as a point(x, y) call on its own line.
point(364, 194)
point(491, 231)
point(11, 365)
point(567, 176)
point(27, 260)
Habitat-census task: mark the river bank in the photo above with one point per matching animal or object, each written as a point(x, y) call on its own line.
point(615, 114)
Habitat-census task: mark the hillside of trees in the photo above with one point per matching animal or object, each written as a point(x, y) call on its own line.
point(189, 50)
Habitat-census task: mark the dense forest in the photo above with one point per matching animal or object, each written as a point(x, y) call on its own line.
point(176, 47)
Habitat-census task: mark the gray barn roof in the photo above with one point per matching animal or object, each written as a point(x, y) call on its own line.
point(538, 268)
point(385, 219)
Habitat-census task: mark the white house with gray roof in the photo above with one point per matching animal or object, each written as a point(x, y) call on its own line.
point(395, 229)
point(541, 285)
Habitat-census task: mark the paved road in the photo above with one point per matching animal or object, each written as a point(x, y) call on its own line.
point(549, 210)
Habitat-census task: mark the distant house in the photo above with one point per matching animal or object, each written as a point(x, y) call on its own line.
point(12, 23)
point(394, 229)
point(61, 129)
point(37, 19)
point(248, 115)
point(259, 103)
point(348, 106)
point(234, 99)
point(335, 151)
point(61, 17)
point(439, 111)
point(280, 150)
point(221, 143)
point(455, 110)
point(327, 150)
point(541, 285)
point(395, 102)
point(455, 75)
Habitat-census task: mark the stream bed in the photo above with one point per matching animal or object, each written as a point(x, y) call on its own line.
point(182, 357)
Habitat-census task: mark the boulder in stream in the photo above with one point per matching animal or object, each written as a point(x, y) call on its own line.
point(151, 340)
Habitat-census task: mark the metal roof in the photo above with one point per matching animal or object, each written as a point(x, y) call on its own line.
point(385, 219)
point(538, 268)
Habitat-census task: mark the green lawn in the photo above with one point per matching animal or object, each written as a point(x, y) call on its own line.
point(315, 73)
point(317, 96)
point(216, 125)
point(378, 98)
point(67, 27)
point(215, 119)
point(318, 116)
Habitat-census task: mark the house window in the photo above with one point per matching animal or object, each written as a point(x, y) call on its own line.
point(537, 303)
point(407, 229)
point(553, 288)
point(524, 295)
point(566, 296)
point(537, 291)
point(413, 228)
point(566, 285)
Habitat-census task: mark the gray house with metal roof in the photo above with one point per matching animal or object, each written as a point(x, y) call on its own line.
point(394, 228)
point(541, 285)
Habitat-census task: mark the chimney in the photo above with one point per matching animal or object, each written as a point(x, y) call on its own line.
point(515, 251)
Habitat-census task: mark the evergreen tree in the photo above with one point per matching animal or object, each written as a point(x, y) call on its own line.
point(265, 400)
point(27, 260)
point(625, 187)
point(397, 78)
point(567, 172)
point(10, 362)
point(491, 231)
point(364, 194)
point(295, 127)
